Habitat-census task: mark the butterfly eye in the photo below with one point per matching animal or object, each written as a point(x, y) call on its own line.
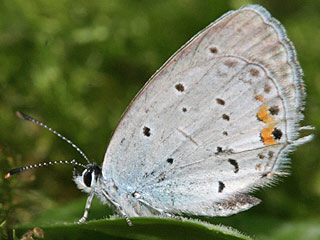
point(87, 177)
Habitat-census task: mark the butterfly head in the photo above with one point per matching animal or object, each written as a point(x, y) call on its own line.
point(87, 179)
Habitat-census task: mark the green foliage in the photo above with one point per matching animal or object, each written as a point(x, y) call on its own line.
point(143, 228)
point(75, 65)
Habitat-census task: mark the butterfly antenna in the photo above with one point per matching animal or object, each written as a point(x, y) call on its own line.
point(28, 118)
point(21, 169)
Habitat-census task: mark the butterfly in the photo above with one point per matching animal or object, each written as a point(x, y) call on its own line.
point(215, 122)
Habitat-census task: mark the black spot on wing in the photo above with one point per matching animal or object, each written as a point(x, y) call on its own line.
point(146, 131)
point(235, 164)
point(221, 187)
point(274, 110)
point(225, 117)
point(277, 133)
point(219, 150)
point(220, 101)
point(179, 87)
point(213, 50)
point(170, 160)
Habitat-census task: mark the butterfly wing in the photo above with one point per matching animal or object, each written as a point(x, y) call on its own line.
point(215, 121)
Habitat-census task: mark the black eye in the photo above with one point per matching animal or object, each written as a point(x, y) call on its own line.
point(87, 177)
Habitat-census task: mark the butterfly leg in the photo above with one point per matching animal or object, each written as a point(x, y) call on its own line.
point(87, 208)
point(160, 211)
point(119, 208)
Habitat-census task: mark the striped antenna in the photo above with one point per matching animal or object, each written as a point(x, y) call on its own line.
point(28, 118)
point(21, 169)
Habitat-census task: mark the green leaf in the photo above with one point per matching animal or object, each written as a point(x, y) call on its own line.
point(143, 228)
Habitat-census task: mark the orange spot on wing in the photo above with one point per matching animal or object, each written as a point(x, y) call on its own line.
point(264, 115)
point(266, 135)
point(259, 98)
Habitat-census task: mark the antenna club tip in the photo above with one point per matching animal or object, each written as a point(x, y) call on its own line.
point(7, 175)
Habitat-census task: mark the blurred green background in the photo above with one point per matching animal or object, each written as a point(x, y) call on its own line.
point(75, 65)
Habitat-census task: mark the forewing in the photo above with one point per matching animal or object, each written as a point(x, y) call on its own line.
point(215, 121)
